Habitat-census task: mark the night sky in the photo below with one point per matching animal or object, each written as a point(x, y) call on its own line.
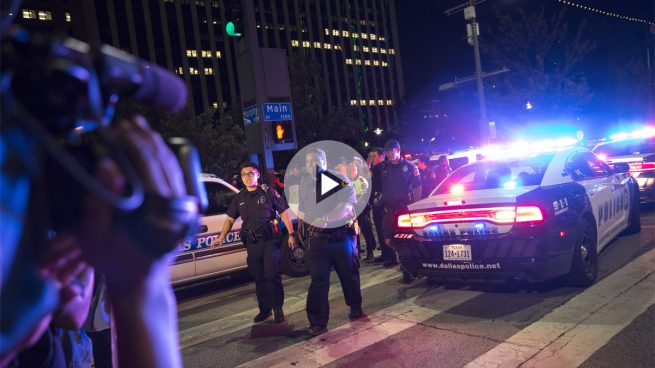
point(434, 49)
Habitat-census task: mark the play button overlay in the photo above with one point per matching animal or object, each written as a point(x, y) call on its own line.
point(327, 184)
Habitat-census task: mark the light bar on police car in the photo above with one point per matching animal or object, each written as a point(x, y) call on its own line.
point(499, 215)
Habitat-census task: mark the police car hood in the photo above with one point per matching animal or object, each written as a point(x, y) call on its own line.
point(475, 197)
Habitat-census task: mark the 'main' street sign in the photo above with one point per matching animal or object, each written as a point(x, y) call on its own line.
point(277, 111)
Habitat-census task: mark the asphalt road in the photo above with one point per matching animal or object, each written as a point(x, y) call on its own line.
point(611, 324)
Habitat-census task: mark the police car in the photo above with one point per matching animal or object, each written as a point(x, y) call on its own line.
point(198, 260)
point(533, 218)
point(639, 153)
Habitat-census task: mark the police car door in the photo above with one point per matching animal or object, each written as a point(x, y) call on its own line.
point(598, 184)
point(619, 206)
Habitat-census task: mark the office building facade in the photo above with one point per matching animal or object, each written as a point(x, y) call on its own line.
point(354, 41)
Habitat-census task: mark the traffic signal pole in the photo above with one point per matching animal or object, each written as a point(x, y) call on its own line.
point(473, 30)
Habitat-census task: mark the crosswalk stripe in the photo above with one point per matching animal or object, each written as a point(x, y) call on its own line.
point(221, 327)
point(357, 335)
point(571, 333)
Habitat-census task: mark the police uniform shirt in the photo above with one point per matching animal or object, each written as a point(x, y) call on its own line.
point(398, 180)
point(307, 199)
point(257, 207)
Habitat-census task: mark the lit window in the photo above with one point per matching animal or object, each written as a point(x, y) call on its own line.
point(353, 102)
point(355, 48)
point(381, 102)
point(392, 51)
point(355, 35)
point(376, 62)
point(215, 104)
point(374, 49)
point(180, 71)
point(364, 35)
point(365, 48)
point(371, 102)
point(327, 46)
point(389, 102)
point(381, 38)
point(218, 54)
point(345, 33)
point(367, 62)
point(384, 63)
point(362, 102)
point(337, 47)
point(358, 61)
point(327, 32)
point(335, 32)
point(215, 4)
point(373, 36)
point(295, 43)
point(68, 17)
point(317, 45)
point(383, 51)
point(203, 53)
point(191, 53)
point(209, 71)
point(45, 15)
point(29, 14)
point(305, 44)
point(349, 61)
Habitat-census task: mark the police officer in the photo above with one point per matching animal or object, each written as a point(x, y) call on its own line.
point(257, 205)
point(328, 244)
point(376, 157)
point(401, 185)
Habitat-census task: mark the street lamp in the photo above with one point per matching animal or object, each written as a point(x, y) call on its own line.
point(377, 131)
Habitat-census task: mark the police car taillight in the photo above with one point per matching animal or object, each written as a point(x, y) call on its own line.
point(642, 166)
point(499, 215)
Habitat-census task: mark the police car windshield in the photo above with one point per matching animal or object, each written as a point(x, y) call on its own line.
point(626, 148)
point(496, 174)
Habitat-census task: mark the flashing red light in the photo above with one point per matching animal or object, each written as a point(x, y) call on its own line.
point(407, 156)
point(602, 156)
point(562, 234)
point(499, 215)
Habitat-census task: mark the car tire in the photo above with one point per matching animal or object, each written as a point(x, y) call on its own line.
point(634, 220)
point(584, 268)
point(292, 263)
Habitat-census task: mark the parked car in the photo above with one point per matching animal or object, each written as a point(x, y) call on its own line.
point(198, 260)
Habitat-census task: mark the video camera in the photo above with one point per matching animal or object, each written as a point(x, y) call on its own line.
point(54, 87)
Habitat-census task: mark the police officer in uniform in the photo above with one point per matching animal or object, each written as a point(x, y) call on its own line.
point(327, 244)
point(401, 185)
point(257, 206)
point(377, 159)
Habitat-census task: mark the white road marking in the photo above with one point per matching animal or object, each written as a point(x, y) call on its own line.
point(223, 326)
point(571, 333)
point(360, 334)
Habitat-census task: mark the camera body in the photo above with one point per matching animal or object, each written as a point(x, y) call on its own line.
point(58, 88)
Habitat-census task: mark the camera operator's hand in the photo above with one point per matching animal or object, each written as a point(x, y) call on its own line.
point(139, 284)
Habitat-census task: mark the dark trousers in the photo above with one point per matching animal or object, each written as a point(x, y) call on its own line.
point(366, 227)
point(264, 265)
point(101, 342)
point(321, 255)
point(378, 219)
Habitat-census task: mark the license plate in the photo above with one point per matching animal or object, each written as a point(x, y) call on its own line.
point(457, 252)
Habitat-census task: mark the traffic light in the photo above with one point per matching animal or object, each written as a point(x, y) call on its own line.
point(282, 132)
point(231, 31)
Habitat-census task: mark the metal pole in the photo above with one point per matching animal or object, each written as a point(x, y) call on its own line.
point(484, 128)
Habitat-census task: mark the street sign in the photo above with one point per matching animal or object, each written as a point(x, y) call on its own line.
point(277, 111)
point(250, 115)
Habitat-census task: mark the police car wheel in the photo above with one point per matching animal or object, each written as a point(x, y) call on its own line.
point(584, 268)
point(292, 263)
point(634, 220)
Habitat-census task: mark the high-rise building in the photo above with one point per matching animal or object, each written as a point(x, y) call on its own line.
point(354, 41)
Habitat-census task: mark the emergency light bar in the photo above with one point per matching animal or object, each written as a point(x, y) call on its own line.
point(498, 215)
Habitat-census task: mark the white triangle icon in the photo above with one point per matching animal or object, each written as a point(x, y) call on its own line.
point(327, 184)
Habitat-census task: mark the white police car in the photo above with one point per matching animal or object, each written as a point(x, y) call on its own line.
point(639, 153)
point(198, 260)
point(532, 218)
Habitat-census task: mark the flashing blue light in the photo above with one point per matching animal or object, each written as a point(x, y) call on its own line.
point(479, 226)
point(433, 228)
point(509, 184)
